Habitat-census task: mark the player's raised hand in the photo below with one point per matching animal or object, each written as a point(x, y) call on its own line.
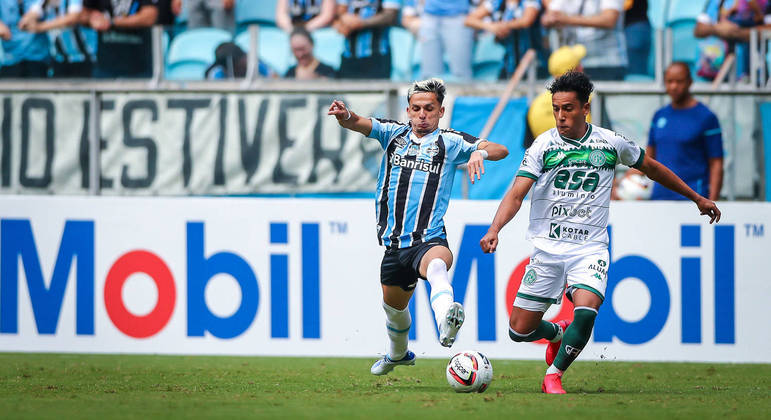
point(475, 166)
point(339, 110)
point(709, 208)
point(489, 242)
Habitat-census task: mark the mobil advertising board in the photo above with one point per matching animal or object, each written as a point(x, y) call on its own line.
point(300, 277)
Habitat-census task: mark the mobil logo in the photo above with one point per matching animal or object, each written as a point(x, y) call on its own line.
point(610, 325)
point(19, 253)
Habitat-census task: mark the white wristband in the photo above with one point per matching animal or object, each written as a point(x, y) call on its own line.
point(484, 153)
point(349, 115)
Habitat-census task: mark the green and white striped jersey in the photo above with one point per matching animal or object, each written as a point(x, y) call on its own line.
point(571, 195)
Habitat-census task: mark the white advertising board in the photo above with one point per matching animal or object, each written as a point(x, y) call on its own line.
point(245, 276)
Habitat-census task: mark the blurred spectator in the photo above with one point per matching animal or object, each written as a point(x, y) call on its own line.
point(364, 24)
point(25, 53)
point(231, 62)
point(166, 14)
point(73, 56)
point(312, 14)
point(540, 117)
point(443, 34)
point(710, 23)
point(637, 30)
point(745, 13)
point(515, 25)
point(597, 24)
point(411, 15)
point(685, 136)
point(207, 13)
point(308, 66)
point(125, 48)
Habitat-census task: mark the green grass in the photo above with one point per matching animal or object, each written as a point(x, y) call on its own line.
point(144, 387)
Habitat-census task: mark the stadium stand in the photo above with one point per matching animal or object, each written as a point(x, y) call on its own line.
point(192, 51)
point(487, 59)
point(273, 48)
point(261, 12)
point(682, 9)
point(402, 47)
point(328, 46)
point(685, 47)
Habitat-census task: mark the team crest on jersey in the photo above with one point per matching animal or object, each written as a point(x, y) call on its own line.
point(597, 158)
point(432, 150)
point(529, 278)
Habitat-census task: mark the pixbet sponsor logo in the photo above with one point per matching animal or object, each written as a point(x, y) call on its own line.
point(18, 250)
point(568, 211)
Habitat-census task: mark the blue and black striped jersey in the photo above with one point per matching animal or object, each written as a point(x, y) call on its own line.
point(415, 181)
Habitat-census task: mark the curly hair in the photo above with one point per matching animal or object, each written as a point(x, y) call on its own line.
point(573, 81)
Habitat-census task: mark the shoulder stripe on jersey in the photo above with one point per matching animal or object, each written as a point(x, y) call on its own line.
point(383, 199)
point(465, 136)
point(429, 199)
point(386, 121)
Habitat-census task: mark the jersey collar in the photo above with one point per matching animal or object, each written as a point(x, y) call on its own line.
point(428, 137)
point(578, 142)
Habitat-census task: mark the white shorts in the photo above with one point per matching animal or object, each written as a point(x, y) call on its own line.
point(547, 276)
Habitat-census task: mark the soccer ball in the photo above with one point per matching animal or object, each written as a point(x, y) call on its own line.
point(469, 371)
point(635, 187)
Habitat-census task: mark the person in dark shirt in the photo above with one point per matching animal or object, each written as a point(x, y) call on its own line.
point(312, 14)
point(686, 137)
point(308, 66)
point(365, 25)
point(124, 48)
point(637, 30)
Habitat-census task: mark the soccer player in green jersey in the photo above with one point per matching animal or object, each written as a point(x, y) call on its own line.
point(572, 168)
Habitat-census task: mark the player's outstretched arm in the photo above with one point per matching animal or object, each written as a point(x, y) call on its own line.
point(348, 119)
point(486, 150)
point(508, 208)
point(664, 176)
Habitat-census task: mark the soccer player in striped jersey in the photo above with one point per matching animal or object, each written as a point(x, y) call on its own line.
point(413, 192)
point(572, 168)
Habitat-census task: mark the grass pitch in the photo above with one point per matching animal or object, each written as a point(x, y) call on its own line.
point(144, 387)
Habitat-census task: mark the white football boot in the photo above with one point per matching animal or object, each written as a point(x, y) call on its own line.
point(450, 324)
point(385, 364)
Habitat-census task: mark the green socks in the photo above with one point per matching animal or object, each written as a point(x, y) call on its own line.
point(547, 330)
point(576, 336)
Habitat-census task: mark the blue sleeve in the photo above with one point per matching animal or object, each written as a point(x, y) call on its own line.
point(384, 130)
point(713, 137)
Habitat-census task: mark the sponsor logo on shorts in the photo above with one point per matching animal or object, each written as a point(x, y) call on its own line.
point(568, 211)
point(557, 231)
point(599, 268)
point(529, 278)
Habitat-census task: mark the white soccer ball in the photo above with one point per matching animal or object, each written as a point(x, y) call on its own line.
point(635, 187)
point(469, 371)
